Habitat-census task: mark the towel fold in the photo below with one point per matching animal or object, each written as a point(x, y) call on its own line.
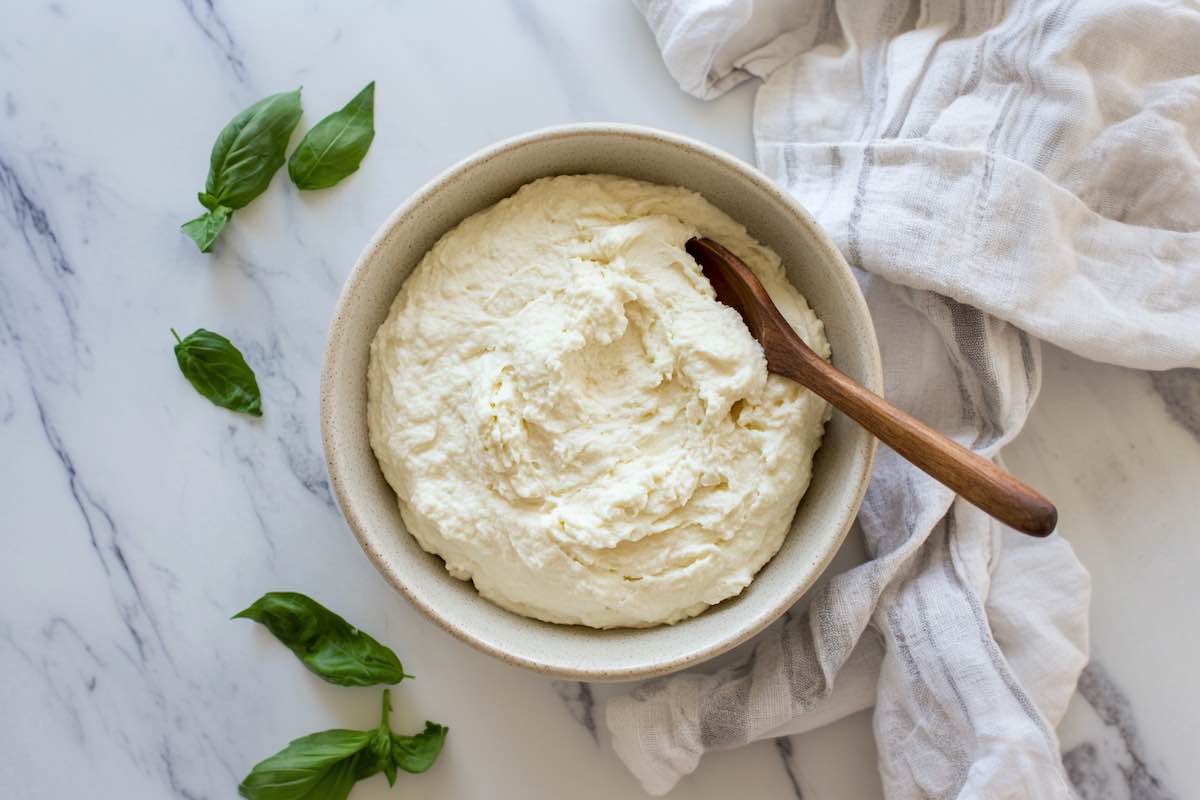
point(996, 173)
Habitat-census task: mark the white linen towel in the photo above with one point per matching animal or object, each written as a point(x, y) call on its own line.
point(994, 172)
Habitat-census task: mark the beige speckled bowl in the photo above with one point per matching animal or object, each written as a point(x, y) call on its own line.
point(840, 471)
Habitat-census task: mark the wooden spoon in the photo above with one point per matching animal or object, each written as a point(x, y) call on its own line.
point(975, 478)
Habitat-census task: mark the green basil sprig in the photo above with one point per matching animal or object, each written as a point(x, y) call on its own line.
point(326, 765)
point(330, 647)
point(218, 371)
point(336, 145)
point(246, 155)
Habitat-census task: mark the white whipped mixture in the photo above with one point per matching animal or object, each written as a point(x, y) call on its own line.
point(573, 422)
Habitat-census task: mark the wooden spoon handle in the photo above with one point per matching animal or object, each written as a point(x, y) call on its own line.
point(978, 480)
point(974, 477)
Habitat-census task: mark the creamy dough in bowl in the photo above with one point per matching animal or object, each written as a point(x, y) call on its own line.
point(573, 422)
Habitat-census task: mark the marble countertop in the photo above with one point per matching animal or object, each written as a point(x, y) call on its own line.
point(137, 517)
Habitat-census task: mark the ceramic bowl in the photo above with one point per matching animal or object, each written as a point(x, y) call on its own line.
point(840, 470)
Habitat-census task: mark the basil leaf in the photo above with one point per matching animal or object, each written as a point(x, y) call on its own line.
point(205, 228)
point(247, 153)
point(336, 145)
point(417, 753)
point(320, 766)
point(250, 149)
point(325, 766)
point(329, 646)
point(218, 371)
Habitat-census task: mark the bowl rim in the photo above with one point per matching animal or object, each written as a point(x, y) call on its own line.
point(334, 344)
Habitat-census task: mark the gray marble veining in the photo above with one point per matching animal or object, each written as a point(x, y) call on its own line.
point(783, 745)
point(136, 517)
point(204, 15)
point(580, 703)
point(1180, 392)
point(1114, 763)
